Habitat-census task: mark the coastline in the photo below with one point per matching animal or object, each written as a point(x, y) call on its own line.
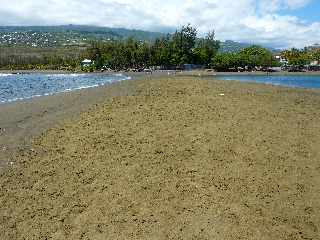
point(195, 73)
point(192, 72)
point(282, 73)
point(25, 119)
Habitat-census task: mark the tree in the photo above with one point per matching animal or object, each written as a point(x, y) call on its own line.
point(256, 56)
point(315, 55)
point(170, 51)
point(183, 42)
point(247, 58)
point(206, 49)
point(161, 52)
point(296, 57)
point(225, 62)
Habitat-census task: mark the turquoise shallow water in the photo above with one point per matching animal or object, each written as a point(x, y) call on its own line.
point(14, 87)
point(295, 81)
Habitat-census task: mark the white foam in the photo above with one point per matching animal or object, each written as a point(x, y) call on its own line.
point(81, 87)
point(50, 94)
point(118, 74)
point(65, 75)
point(5, 74)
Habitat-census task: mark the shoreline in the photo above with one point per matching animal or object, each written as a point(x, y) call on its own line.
point(25, 119)
point(185, 72)
point(160, 73)
point(129, 76)
point(60, 92)
point(283, 73)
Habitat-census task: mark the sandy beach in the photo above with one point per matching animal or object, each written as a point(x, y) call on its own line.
point(22, 120)
point(162, 157)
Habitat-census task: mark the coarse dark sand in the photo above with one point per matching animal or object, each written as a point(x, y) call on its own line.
point(168, 158)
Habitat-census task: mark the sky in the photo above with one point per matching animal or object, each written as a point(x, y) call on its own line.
point(274, 23)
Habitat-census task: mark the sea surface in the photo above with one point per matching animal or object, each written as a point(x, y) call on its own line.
point(15, 87)
point(294, 81)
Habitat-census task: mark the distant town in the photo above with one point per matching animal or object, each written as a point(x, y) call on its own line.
point(39, 39)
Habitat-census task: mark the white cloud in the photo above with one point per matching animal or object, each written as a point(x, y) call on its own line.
point(296, 3)
point(275, 5)
point(256, 21)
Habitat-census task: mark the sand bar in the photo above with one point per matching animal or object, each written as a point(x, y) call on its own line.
point(165, 158)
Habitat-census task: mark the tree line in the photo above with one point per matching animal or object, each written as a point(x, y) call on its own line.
point(249, 58)
point(259, 58)
point(169, 52)
point(28, 58)
point(301, 57)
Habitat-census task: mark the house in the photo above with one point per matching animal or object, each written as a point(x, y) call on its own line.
point(86, 63)
point(314, 66)
point(314, 63)
point(281, 59)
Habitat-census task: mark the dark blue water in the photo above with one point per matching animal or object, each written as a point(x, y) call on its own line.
point(15, 87)
point(295, 81)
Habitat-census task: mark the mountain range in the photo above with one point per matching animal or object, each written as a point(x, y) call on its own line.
point(51, 36)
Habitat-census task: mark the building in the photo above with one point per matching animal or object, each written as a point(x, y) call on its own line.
point(86, 63)
point(281, 59)
point(315, 63)
point(314, 66)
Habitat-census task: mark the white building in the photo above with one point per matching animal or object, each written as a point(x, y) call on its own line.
point(281, 59)
point(86, 63)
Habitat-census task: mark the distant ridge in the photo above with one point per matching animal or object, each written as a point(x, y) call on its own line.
point(230, 46)
point(76, 33)
point(50, 36)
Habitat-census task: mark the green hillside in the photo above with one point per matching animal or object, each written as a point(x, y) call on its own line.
point(231, 46)
point(81, 35)
point(52, 36)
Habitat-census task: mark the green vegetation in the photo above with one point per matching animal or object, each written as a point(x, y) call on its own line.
point(298, 57)
point(183, 47)
point(258, 58)
point(232, 47)
point(59, 58)
point(246, 59)
point(58, 36)
point(168, 52)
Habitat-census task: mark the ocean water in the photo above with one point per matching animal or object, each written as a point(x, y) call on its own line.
point(294, 81)
point(15, 87)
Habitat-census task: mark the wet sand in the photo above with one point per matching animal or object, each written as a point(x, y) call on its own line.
point(173, 157)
